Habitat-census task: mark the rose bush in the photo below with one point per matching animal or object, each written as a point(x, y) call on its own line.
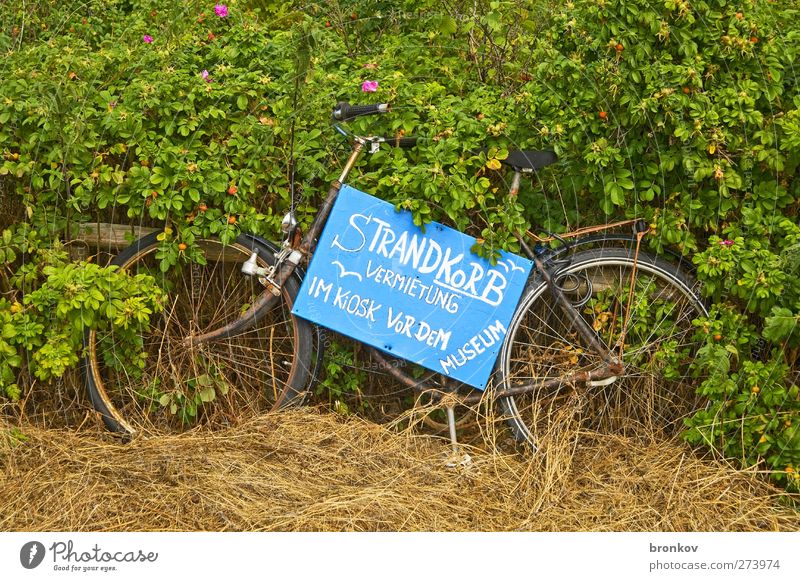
point(686, 115)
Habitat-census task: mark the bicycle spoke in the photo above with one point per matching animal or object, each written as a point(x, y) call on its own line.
point(659, 332)
point(182, 383)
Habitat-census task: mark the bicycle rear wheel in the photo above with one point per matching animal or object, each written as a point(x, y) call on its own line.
point(260, 369)
point(656, 390)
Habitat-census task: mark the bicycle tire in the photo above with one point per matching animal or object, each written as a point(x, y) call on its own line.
point(656, 390)
point(260, 369)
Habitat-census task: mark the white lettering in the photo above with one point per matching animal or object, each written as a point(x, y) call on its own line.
point(451, 270)
point(475, 346)
point(399, 247)
point(495, 289)
point(446, 265)
point(318, 286)
point(341, 297)
point(415, 249)
point(374, 273)
point(392, 321)
point(429, 265)
point(475, 276)
point(381, 226)
point(336, 244)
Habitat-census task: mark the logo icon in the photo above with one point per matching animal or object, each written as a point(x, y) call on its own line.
point(31, 555)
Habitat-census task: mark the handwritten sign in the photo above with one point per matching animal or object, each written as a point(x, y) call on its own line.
point(421, 296)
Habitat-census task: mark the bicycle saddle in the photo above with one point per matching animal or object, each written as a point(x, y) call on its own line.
point(522, 160)
point(527, 160)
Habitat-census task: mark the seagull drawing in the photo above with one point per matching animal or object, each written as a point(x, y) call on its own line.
point(514, 267)
point(343, 272)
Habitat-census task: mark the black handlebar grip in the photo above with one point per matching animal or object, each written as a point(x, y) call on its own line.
point(402, 142)
point(344, 111)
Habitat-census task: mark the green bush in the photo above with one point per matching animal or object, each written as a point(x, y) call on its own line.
point(687, 115)
point(49, 303)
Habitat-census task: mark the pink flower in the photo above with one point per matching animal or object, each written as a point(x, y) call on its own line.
point(369, 86)
point(204, 74)
point(726, 243)
point(147, 38)
point(370, 66)
point(221, 10)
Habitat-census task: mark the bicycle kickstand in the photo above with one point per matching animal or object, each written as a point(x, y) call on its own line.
point(456, 458)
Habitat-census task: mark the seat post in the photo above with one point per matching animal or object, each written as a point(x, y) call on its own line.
point(515, 183)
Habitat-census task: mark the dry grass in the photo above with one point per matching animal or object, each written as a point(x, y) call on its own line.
point(311, 470)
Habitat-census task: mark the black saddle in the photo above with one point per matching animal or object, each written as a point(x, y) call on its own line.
point(527, 160)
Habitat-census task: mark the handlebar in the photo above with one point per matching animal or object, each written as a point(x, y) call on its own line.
point(402, 142)
point(344, 111)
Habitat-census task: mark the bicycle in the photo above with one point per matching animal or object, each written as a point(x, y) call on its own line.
point(600, 321)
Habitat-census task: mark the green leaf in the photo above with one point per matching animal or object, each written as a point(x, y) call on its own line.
point(493, 20)
point(780, 325)
point(9, 331)
point(218, 182)
point(625, 183)
point(207, 394)
point(448, 24)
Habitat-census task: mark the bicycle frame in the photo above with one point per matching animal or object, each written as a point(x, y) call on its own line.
point(292, 258)
point(296, 250)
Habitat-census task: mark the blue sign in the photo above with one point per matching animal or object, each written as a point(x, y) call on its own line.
point(421, 296)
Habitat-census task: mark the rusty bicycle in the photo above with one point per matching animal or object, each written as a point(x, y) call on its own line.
point(598, 318)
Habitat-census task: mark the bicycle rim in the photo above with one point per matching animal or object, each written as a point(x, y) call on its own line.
point(657, 389)
point(158, 382)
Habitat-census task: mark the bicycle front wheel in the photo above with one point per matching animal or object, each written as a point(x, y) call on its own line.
point(180, 384)
point(640, 306)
